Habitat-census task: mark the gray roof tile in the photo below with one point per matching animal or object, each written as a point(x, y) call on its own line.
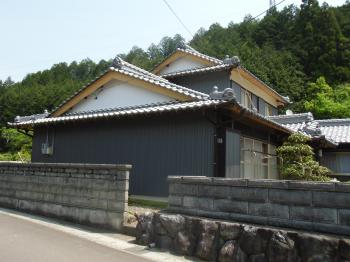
point(118, 112)
point(192, 51)
point(335, 130)
point(145, 109)
point(198, 70)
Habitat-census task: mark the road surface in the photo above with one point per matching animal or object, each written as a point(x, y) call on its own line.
point(22, 240)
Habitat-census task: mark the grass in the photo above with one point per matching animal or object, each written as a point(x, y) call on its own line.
point(147, 203)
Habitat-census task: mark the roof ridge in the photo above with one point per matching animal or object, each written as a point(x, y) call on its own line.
point(197, 70)
point(125, 108)
point(125, 111)
point(193, 51)
point(344, 121)
point(291, 116)
point(334, 119)
point(163, 81)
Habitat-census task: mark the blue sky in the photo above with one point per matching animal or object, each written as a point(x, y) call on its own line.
point(38, 33)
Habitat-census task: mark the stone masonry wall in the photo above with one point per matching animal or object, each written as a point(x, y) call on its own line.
point(95, 194)
point(217, 240)
point(315, 206)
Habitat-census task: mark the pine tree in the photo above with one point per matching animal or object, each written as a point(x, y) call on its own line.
point(297, 160)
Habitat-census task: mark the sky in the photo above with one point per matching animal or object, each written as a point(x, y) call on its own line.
point(35, 34)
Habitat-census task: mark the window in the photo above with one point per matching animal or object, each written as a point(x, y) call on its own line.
point(268, 110)
point(258, 159)
point(246, 98)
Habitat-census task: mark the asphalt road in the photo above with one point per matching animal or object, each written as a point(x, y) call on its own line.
point(22, 240)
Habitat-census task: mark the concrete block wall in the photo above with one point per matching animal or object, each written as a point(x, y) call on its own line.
point(315, 206)
point(95, 194)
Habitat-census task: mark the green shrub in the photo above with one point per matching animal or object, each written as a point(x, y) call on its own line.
point(297, 160)
point(14, 146)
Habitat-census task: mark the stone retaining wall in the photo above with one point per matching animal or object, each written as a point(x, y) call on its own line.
point(316, 206)
point(95, 194)
point(225, 241)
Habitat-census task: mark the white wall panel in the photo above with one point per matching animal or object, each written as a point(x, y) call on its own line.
point(118, 94)
point(181, 64)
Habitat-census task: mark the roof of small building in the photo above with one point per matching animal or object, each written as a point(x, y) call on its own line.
point(335, 130)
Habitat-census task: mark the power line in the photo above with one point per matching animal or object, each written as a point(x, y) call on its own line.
point(255, 17)
point(272, 3)
point(177, 17)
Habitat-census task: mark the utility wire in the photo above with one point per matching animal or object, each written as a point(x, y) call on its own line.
point(183, 24)
point(177, 17)
point(255, 17)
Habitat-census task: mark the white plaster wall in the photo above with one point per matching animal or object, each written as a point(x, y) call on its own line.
point(118, 94)
point(183, 63)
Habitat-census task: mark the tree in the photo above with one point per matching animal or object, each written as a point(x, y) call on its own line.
point(297, 160)
point(320, 44)
point(326, 102)
point(14, 146)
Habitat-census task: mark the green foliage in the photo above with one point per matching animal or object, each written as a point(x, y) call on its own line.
point(14, 146)
point(298, 162)
point(326, 102)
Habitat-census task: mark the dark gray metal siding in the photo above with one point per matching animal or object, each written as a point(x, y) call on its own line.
point(157, 147)
point(338, 162)
point(204, 82)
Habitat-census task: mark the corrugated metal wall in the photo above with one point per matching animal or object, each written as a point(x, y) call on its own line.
point(338, 162)
point(205, 82)
point(157, 147)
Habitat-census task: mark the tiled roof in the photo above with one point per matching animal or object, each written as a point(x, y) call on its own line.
point(125, 111)
point(256, 114)
point(335, 130)
point(303, 123)
point(198, 70)
point(128, 69)
point(31, 117)
point(185, 48)
point(225, 64)
point(146, 110)
point(189, 50)
point(293, 118)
